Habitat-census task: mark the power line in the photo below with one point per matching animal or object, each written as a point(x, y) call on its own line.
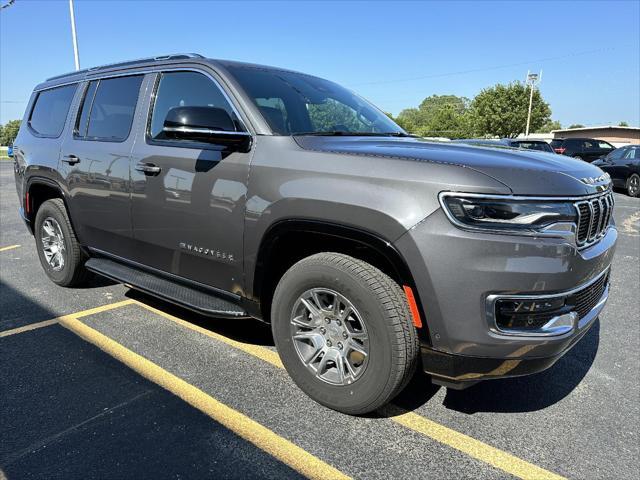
point(485, 69)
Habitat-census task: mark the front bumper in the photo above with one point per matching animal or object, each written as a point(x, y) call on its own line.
point(460, 275)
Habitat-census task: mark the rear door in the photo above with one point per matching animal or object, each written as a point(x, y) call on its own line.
point(95, 163)
point(188, 215)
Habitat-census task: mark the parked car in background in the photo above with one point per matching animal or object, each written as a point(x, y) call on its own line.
point(587, 149)
point(539, 145)
point(623, 165)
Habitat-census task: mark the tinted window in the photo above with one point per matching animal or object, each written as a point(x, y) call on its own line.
point(113, 107)
point(295, 104)
point(50, 110)
point(616, 154)
point(632, 154)
point(588, 145)
point(83, 119)
point(541, 146)
point(556, 142)
point(185, 89)
point(574, 144)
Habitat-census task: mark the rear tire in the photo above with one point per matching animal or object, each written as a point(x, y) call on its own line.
point(57, 245)
point(361, 311)
point(633, 185)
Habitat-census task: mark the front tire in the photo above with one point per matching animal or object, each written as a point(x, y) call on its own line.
point(344, 332)
point(633, 185)
point(58, 248)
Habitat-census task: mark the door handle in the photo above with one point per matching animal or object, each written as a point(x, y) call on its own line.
point(70, 159)
point(148, 168)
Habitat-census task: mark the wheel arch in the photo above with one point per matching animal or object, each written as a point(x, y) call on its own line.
point(38, 190)
point(289, 240)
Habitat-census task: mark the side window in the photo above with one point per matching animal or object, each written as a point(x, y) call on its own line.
point(588, 146)
point(50, 110)
point(185, 89)
point(87, 102)
point(616, 154)
point(632, 154)
point(604, 145)
point(108, 108)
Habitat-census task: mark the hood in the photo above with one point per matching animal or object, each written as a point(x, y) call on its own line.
point(525, 172)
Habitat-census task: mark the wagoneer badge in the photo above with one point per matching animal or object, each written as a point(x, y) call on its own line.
point(209, 252)
point(604, 178)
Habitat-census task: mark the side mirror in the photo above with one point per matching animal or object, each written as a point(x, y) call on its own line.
point(206, 125)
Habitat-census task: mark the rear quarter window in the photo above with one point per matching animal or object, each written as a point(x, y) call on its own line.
point(50, 110)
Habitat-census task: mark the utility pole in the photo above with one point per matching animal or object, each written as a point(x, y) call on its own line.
point(73, 34)
point(532, 80)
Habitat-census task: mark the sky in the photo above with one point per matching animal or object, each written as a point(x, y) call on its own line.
point(393, 53)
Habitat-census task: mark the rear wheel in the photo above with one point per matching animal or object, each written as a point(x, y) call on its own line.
point(58, 248)
point(344, 333)
point(633, 185)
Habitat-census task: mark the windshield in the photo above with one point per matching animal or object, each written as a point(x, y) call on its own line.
point(298, 104)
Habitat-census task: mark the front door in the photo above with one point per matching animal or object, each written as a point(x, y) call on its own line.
point(188, 206)
point(95, 163)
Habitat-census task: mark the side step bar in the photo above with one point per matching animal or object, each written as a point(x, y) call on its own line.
point(194, 299)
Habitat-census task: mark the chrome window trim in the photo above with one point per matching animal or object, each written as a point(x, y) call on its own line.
point(491, 300)
point(549, 232)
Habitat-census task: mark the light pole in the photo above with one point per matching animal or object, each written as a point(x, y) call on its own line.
point(73, 34)
point(532, 80)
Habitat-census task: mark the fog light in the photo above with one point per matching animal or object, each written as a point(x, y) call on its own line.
point(529, 314)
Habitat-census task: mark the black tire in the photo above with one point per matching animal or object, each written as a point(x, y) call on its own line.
point(633, 185)
point(392, 337)
point(72, 272)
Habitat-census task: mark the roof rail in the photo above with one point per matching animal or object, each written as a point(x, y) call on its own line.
point(173, 56)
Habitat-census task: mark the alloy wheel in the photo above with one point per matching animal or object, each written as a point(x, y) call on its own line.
point(53, 245)
point(330, 336)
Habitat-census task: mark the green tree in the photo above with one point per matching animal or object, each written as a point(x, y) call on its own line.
point(623, 124)
point(9, 132)
point(549, 126)
point(501, 110)
point(437, 116)
point(576, 125)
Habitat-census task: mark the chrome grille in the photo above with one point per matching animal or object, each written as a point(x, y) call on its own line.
point(594, 216)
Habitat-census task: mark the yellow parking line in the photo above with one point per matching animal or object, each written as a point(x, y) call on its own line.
point(459, 441)
point(262, 353)
point(265, 439)
point(10, 247)
point(27, 328)
point(472, 447)
point(53, 321)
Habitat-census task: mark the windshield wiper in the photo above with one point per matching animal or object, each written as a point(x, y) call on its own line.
point(339, 133)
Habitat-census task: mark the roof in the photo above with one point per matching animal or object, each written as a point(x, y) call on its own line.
point(603, 127)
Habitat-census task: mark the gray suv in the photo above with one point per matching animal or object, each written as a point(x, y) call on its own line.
point(240, 190)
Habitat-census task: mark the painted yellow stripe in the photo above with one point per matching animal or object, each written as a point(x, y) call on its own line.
point(265, 439)
point(10, 247)
point(53, 321)
point(27, 328)
point(262, 353)
point(459, 441)
point(472, 447)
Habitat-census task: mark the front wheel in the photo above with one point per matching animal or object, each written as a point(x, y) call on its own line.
point(344, 333)
point(633, 185)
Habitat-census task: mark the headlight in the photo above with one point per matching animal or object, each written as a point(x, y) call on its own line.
point(502, 215)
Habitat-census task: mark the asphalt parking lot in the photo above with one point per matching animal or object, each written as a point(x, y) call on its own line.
point(104, 382)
